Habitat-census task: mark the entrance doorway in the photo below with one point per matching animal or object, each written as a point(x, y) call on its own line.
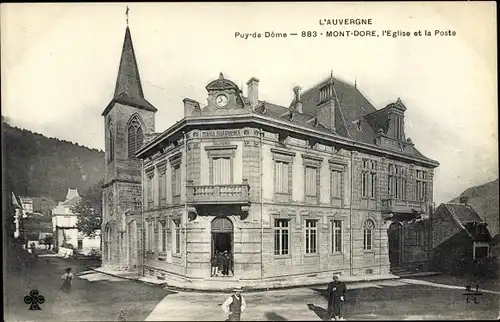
point(395, 235)
point(222, 247)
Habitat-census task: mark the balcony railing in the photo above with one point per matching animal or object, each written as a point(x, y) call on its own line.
point(218, 194)
point(402, 206)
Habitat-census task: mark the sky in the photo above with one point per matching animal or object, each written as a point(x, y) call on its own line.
point(60, 61)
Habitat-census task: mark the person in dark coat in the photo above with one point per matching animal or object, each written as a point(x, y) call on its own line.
point(230, 263)
point(67, 279)
point(225, 263)
point(337, 292)
point(219, 262)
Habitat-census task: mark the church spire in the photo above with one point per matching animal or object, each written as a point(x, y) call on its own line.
point(128, 88)
point(128, 80)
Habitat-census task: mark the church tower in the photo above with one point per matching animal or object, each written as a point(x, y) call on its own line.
point(128, 119)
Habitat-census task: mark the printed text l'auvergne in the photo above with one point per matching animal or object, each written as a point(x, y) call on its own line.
point(344, 21)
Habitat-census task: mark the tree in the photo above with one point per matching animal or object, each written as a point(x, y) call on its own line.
point(89, 210)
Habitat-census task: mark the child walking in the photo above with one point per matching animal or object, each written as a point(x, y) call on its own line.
point(67, 278)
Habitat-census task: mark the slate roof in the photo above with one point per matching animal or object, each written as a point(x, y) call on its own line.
point(71, 193)
point(463, 213)
point(352, 106)
point(128, 89)
point(469, 220)
point(71, 202)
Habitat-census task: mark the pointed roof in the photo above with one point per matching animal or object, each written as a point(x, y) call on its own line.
point(128, 89)
point(72, 193)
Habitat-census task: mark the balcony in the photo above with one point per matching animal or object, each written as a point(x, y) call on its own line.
point(402, 206)
point(225, 194)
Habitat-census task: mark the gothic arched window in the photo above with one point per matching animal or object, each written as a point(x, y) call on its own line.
point(135, 137)
point(368, 228)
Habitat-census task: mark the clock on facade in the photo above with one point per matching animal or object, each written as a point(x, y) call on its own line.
point(221, 100)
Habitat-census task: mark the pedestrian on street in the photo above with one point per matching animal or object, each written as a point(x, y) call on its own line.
point(67, 278)
point(33, 249)
point(337, 292)
point(234, 305)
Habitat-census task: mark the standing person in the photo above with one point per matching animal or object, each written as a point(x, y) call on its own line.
point(230, 263)
point(337, 291)
point(234, 305)
point(214, 263)
point(219, 262)
point(225, 264)
point(33, 249)
point(67, 278)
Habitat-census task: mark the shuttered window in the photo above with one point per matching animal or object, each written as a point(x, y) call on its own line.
point(311, 181)
point(281, 173)
point(221, 171)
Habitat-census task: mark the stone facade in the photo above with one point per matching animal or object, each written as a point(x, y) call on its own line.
point(299, 191)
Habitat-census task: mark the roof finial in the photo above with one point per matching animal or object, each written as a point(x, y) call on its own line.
point(221, 76)
point(355, 85)
point(126, 13)
point(331, 77)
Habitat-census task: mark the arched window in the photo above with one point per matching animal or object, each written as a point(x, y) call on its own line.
point(368, 228)
point(135, 137)
point(111, 142)
point(107, 242)
point(111, 152)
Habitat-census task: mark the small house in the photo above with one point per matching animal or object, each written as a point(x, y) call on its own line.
point(459, 236)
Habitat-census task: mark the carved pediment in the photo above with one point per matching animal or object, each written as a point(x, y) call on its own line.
point(221, 84)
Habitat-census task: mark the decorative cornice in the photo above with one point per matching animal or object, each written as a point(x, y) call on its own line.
point(175, 157)
point(120, 181)
point(312, 157)
point(337, 161)
point(261, 120)
point(284, 152)
point(221, 147)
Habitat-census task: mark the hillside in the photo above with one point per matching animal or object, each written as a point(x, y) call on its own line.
point(37, 166)
point(484, 199)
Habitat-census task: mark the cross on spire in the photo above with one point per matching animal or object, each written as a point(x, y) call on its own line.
point(126, 13)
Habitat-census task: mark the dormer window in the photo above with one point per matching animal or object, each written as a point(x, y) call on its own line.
point(398, 127)
point(325, 92)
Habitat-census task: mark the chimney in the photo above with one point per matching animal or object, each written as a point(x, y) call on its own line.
point(191, 107)
point(298, 102)
point(463, 200)
point(253, 91)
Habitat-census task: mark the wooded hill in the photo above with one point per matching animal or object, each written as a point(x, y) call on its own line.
point(484, 199)
point(37, 166)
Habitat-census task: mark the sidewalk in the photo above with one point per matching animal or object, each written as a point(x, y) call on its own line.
point(225, 285)
point(121, 274)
